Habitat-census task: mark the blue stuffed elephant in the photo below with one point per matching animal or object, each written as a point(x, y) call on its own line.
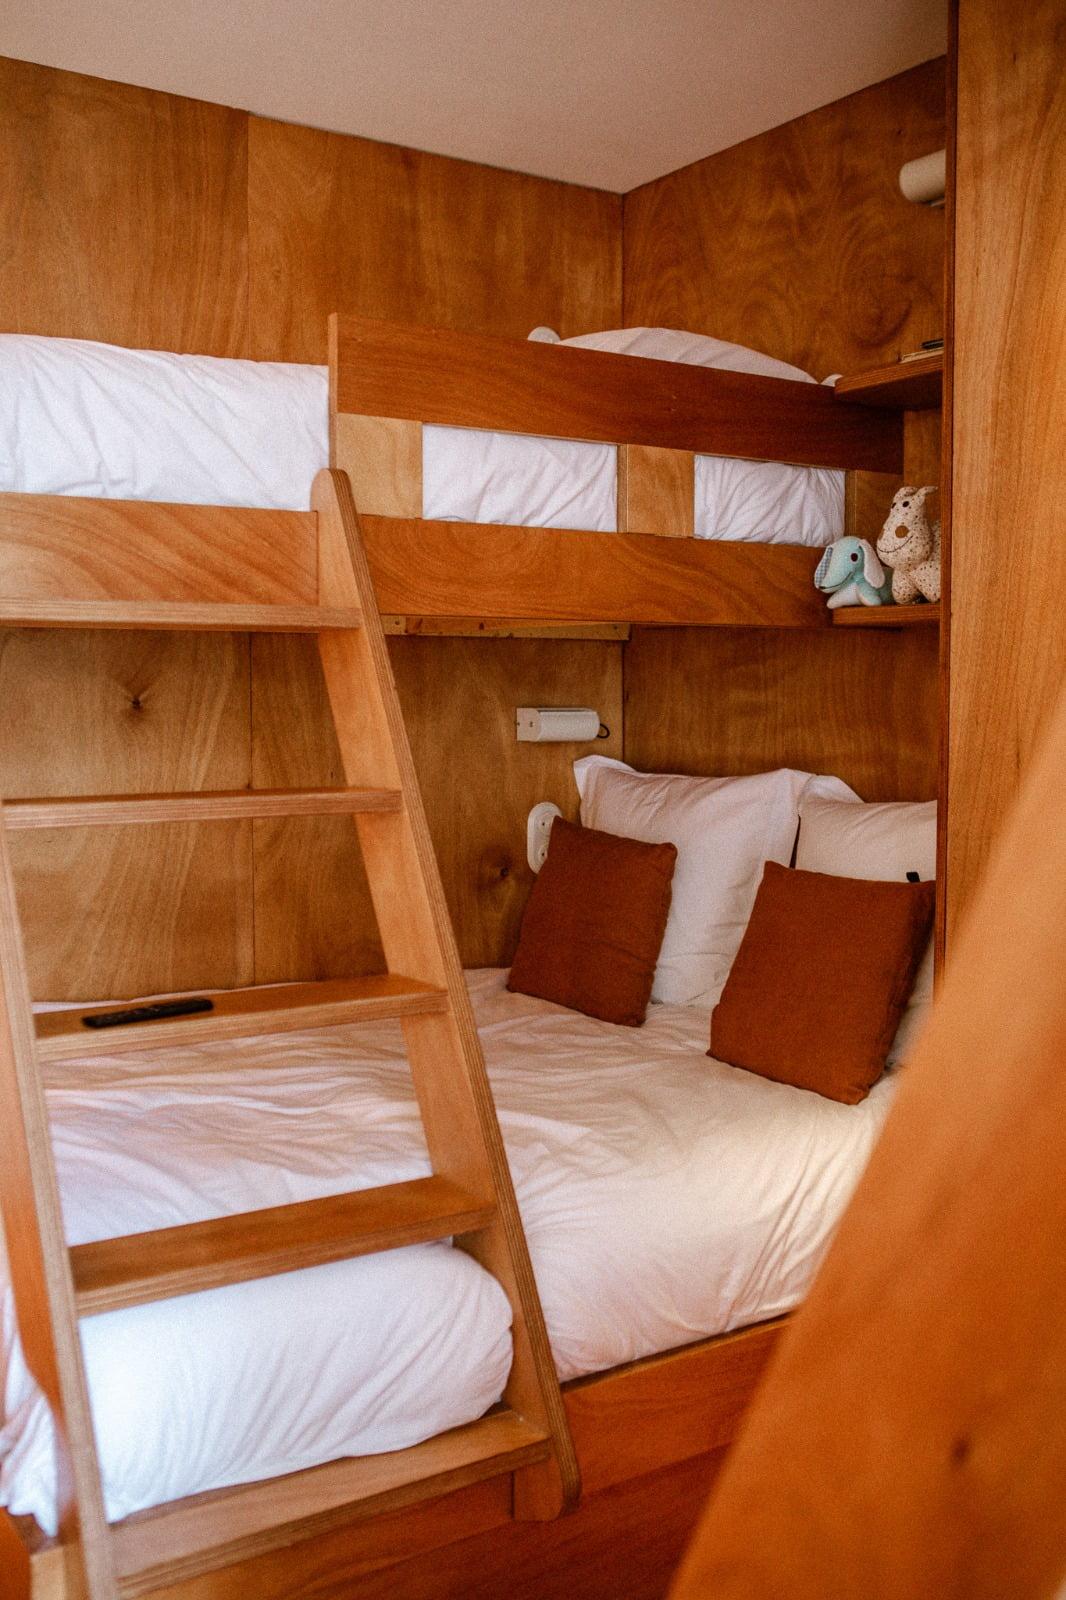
point(851, 575)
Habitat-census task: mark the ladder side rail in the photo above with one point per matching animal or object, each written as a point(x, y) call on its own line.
point(40, 1268)
point(445, 1053)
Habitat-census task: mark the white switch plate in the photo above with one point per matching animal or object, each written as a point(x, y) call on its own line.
point(538, 831)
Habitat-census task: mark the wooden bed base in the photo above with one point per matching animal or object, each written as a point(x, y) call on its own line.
point(627, 1424)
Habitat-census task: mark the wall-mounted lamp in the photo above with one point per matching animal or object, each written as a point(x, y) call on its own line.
point(558, 724)
point(925, 179)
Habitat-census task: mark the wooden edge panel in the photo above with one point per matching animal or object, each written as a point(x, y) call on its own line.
point(383, 459)
point(908, 385)
point(471, 628)
point(626, 1423)
point(656, 491)
point(58, 547)
point(479, 570)
point(435, 375)
point(667, 1408)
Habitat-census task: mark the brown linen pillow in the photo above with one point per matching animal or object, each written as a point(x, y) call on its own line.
point(821, 980)
point(595, 920)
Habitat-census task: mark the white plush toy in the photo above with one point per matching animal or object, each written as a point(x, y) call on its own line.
point(911, 547)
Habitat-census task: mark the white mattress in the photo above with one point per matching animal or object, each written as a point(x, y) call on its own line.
point(93, 419)
point(666, 1197)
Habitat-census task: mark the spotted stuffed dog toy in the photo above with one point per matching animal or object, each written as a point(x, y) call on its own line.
point(910, 545)
point(851, 575)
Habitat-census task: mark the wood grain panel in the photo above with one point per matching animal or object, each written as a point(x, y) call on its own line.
point(433, 374)
point(625, 1542)
point(798, 242)
point(123, 213)
point(656, 491)
point(131, 910)
point(70, 547)
point(1008, 623)
point(857, 703)
point(468, 569)
point(459, 698)
point(650, 1414)
point(313, 917)
point(343, 224)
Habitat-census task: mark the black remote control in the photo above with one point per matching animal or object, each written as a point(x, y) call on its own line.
point(150, 1013)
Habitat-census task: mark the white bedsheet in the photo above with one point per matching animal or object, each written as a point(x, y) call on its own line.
point(666, 1197)
point(77, 417)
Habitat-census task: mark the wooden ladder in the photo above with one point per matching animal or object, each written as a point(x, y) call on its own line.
point(469, 1195)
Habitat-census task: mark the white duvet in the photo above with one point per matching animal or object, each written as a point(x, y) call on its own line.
point(82, 418)
point(665, 1197)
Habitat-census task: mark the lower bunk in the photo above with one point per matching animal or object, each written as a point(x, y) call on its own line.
point(667, 1200)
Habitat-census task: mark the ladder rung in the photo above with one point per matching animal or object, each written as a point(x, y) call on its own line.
point(242, 1014)
point(189, 1537)
point(168, 1262)
point(118, 810)
point(195, 616)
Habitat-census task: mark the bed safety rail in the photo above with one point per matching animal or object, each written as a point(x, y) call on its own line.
point(387, 381)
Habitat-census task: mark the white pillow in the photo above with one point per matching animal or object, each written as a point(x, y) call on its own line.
point(694, 349)
point(725, 830)
point(850, 839)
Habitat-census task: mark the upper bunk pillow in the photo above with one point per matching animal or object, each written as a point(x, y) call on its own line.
point(725, 830)
point(82, 418)
point(883, 840)
point(694, 349)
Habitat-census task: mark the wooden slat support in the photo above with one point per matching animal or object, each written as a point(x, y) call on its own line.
point(656, 491)
point(166, 1262)
point(383, 459)
point(242, 1014)
point(120, 810)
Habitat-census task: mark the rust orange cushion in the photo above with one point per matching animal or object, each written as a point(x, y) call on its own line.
point(821, 978)
point(594, 923)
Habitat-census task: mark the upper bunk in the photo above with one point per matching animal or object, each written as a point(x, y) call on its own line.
point(65, 558)
point(389, 382)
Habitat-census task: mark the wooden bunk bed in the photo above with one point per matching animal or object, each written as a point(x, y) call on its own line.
point(87, 564)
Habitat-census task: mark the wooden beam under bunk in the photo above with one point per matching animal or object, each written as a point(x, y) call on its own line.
point(480, 570)
point(628, 1423)
point(434, 375)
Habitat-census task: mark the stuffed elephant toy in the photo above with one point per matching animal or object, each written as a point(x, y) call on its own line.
point(911, 547)
point(851, 575)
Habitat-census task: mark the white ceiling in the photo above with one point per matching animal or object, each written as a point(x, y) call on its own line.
point(604, 92)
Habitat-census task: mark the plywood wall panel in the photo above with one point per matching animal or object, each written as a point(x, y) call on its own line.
point(730, 700)
point(343, 224)
point(123, 213)
point(798, 242)
point(313, 917)
point(131, 910)
point(459, 698)
point(1008, 623)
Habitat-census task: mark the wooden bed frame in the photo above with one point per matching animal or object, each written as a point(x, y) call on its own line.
point(65, 562)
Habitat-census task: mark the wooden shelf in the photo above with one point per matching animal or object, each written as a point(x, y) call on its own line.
point(905, 385)
point(916, 616)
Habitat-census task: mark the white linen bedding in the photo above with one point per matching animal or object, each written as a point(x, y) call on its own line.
point(77, 417)
point(666, 1197)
